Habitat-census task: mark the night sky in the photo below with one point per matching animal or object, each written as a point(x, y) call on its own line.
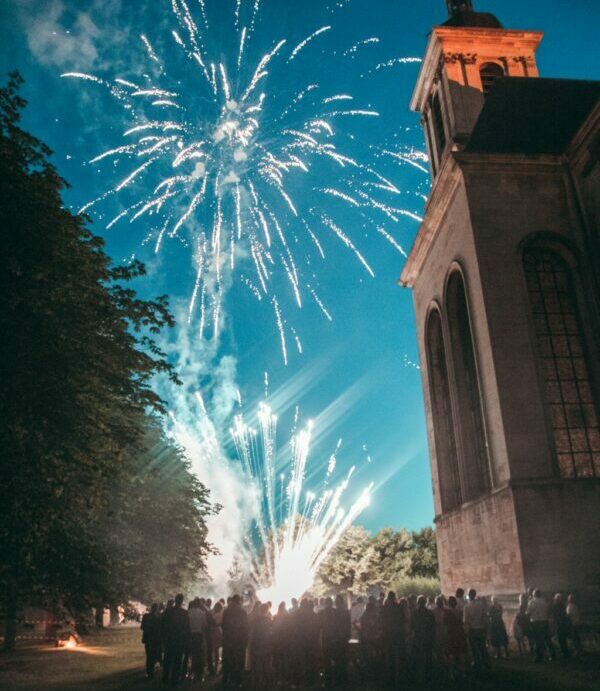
point(356, 376)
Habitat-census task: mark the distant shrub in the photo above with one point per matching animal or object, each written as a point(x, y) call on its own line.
point(404, 586)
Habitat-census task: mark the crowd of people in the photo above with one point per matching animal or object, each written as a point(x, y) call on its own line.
point(387, 640)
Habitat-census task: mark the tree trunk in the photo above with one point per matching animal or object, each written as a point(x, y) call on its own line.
point(114, 615)
point(10, 627)
point(99, 616)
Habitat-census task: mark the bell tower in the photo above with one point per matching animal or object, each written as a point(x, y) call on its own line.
point(505, 276)
point(465, 56)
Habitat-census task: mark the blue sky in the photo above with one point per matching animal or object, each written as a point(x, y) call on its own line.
point(356, 375)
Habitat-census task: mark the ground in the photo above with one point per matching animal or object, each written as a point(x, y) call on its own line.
point(113, 660)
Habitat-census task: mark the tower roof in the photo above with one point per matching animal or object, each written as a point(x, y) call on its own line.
point(461, 13)
point(483, 20)
point(533, 116)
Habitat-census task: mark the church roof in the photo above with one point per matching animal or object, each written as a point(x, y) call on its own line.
point(470, 18)
point(532, 116)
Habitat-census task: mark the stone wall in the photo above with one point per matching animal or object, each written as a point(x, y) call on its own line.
point(478, 546)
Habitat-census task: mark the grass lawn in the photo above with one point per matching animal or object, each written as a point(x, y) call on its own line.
point(114, 660)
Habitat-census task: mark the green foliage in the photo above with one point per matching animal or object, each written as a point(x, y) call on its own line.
point(404, 586)
point(351, 565)
point(389, 560)
point(424, 561)
point(77, 357)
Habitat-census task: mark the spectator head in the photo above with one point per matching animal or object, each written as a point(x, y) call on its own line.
point(327, 602)
point(439, 601)
point(236, 600)
point(208, 602)
point(460, 593)
point(371, 599)
point(340, 602)
point(537, 593)
point(170, 603)
point(571, 599)
point(360, 600)
point(229, 600)
point(472, 594)
point(281, 609)
point(452, 602)
point(264, 609)
point(178, 600)
point(294, 603)
point(154, 608)
point(391, 596)
point(218, 607)
point(421, 602)
point(558, 598)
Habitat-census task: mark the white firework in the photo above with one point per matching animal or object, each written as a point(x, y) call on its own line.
point(296, 529)
point(236, 170)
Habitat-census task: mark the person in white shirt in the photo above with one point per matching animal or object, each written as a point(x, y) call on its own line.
point(538, 613)
point(474, 619)
point(198, 622)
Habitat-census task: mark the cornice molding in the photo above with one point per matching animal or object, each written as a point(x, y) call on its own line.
point(438, 203)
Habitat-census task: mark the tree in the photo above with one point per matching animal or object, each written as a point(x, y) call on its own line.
point(393, 554)
point(423, 561)
point(77, 357)
point(153, 530)
point(400, 560)
point(351, 565)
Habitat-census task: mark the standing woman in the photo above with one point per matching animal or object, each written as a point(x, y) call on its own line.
point(498, 635)
point(522, 629)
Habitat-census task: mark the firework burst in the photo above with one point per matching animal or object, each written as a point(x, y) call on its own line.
point(295, 529)
point(223, 162)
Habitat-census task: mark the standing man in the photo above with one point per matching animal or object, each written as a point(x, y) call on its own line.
point(474, 619)
point(235, 639)
point(151, 638)
point(176, 631)
point(423, 626)
point(343, 633)
point(540, 621)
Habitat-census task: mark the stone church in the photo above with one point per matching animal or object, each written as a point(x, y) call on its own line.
point(505, 277)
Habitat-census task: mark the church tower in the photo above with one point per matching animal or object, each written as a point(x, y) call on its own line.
point(505, 273)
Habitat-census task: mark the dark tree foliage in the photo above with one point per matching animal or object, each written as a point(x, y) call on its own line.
point(153, 529)
point(77, 356)
point(360, 562)
point(424, 561)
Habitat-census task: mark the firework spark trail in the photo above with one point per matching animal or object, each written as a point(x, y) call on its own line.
point(226, 182)
point(296, 528)
point(359, 44)
point(307, 40)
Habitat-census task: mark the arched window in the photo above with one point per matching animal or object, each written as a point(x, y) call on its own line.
point(438, 126)
point(490, 72)
point(441, 411)
point(476, 479)
point(560, 346)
